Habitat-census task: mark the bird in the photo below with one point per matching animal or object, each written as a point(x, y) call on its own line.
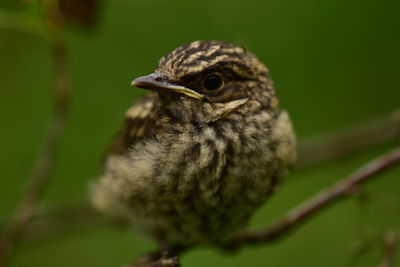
point(199, 154)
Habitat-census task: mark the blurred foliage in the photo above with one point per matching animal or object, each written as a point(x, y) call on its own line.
point(335, 62)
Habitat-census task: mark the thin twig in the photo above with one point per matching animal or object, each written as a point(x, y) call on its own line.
point(390, 243)
point(66, 221)
point(316, 204)
point(362, 249)
point(164, 261)
point(45, 160)
point(341, 143)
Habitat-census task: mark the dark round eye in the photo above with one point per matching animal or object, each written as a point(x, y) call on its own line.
point(213, 82)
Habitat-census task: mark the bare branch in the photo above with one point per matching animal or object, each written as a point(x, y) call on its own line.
point(63, 221)
point(316, 204)
point(390, 243)
point(44, 164)
point(164, 261)
point(349, 140)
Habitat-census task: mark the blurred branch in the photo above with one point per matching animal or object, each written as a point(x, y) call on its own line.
point(164, 261)
point(64, 221)
point(361, 249)
point(319, 202)
point(390, 243)
point(45, 160)
point(349, 140)
point(19, 22)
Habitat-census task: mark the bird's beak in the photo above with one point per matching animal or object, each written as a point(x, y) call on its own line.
point(159, 81)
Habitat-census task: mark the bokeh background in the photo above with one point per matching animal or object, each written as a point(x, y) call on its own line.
point(335, 62)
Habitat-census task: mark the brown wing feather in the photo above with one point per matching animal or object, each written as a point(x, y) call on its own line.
point(139, 123)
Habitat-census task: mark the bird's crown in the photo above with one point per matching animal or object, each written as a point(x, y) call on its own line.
point(212, 76)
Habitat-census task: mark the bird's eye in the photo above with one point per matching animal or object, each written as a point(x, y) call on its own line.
point(213, 82)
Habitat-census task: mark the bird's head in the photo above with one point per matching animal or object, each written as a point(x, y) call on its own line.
point(206, 80)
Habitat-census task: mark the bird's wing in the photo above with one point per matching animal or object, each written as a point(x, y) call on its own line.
point(140, 122)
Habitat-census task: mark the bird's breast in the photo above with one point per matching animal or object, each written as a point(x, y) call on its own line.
point(215, 159)
point(198, 182)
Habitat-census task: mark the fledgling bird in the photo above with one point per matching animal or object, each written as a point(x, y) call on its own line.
point(197, 157)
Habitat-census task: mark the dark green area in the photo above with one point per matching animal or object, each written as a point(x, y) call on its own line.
point(335, 62)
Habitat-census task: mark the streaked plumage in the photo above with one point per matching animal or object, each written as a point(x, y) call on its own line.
point(191, 165)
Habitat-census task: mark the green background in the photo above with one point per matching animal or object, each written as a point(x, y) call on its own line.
point(335, 62)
